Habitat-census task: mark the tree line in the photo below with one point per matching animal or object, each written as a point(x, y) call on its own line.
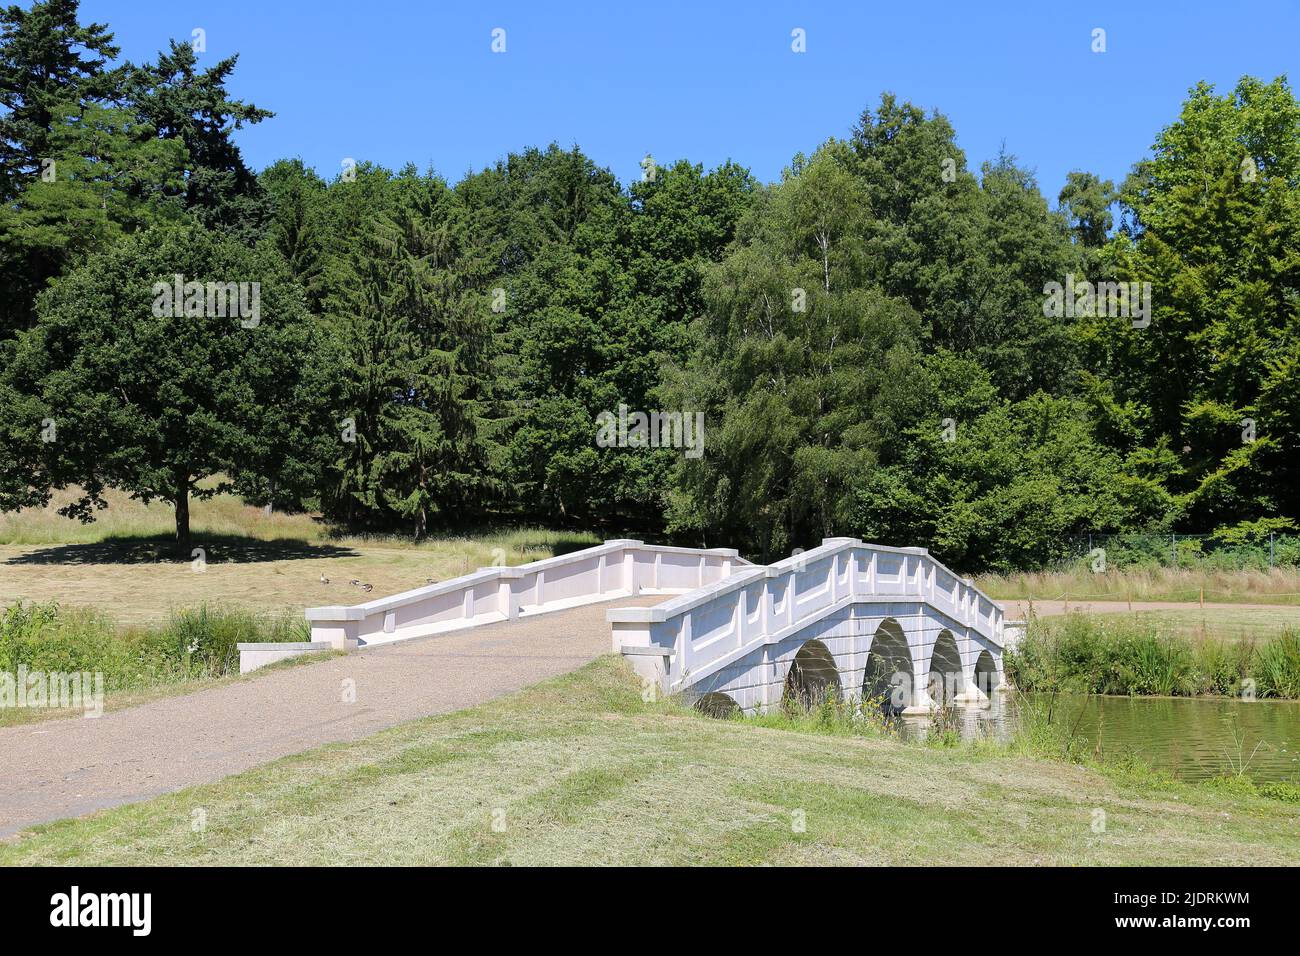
point(886, 343)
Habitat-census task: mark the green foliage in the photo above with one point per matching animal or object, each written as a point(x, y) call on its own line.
point(867, 339)
point(193, 107)
point(52, 67)
point(824, 712)
point(1213, 222)
point(599, 289)
point(969, 254)
point(413, 345)
point(867, 299)
point(298, 229)
point(1278, 790)
point(1278, 666)
point(107, 175)
point(987, 442)
point(795, 367)
point(1110, 655)
point(47, 59)
point(111, 393)
point(196, 643)
point(1086, 200)
point(1002, 484)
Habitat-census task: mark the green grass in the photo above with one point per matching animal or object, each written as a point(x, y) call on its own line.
point(578, 770)
point(1116, 654)
point(1274, 586)
point(1236, 623)
point(825, 715)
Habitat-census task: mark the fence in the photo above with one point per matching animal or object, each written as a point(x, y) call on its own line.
point(1175, 550)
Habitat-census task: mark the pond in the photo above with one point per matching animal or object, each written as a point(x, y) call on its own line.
point(1191, 737)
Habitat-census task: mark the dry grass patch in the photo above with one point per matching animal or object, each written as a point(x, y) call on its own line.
point(125, 563)
point(1274, 586)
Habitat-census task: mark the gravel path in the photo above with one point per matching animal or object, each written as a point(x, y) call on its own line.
point(61, 768)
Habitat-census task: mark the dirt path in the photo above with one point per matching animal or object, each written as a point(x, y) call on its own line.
point(61, 768)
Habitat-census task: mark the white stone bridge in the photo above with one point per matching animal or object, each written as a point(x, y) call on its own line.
point(846, 619)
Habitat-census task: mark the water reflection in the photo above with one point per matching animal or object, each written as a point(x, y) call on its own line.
point(1191, 737)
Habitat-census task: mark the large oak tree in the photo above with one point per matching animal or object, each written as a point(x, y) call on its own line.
point(108, 393)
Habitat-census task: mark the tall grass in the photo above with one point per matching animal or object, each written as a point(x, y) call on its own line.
point(1044, 727)
point(194, 644)
point(1116, 655)
point(855, 716)
point(1278, 664)
point(827, 714)
point(1268, 586)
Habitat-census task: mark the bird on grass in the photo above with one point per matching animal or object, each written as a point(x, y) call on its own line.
point(367, 588)
point(355, 583)
point(323, 579)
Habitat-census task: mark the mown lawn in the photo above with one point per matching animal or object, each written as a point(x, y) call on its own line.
point(1227, 623)
point(578, 770)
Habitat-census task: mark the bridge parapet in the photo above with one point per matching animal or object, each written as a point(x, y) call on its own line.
point(684, 640)
point(618, 568)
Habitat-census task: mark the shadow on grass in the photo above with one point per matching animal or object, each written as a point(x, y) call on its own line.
point(217, 549)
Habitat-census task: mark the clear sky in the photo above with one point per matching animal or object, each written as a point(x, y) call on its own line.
point(401, 80)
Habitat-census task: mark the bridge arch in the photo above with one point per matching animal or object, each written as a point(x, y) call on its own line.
point(717, 704)
point(813, 678)
point(947, 676)
point(986, 677)
point(888, 674)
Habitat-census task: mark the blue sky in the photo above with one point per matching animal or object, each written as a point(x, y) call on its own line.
point(399, 80)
